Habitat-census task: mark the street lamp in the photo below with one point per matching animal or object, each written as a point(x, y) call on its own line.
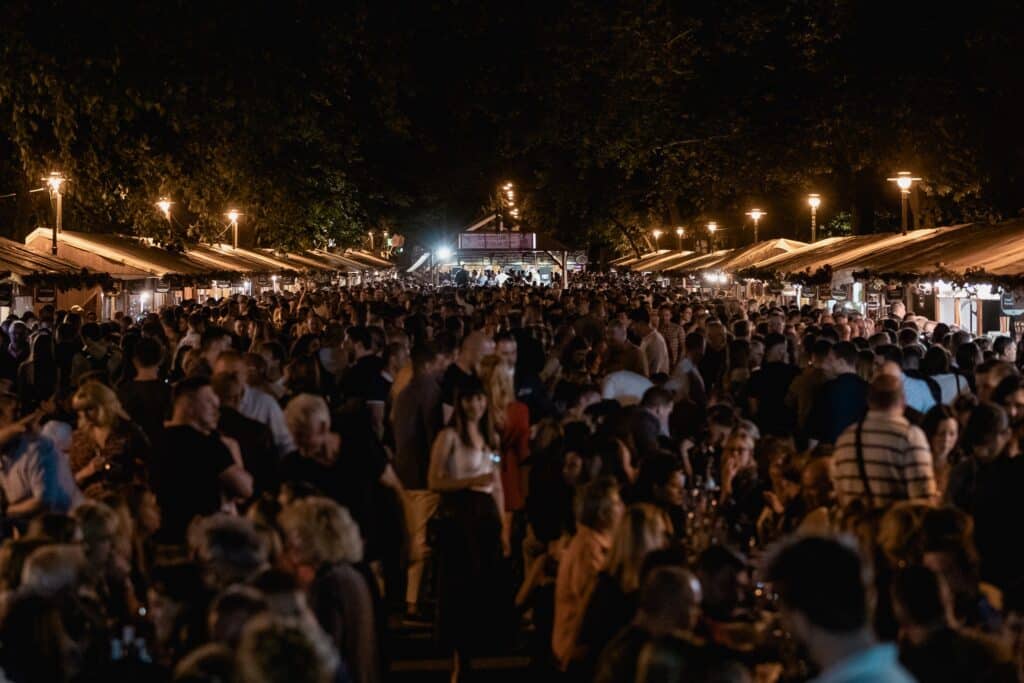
point(712, 227)
point(756, 215)
point(657, 236)
point(814, 201)
point(679, 234)
point(904, 180)
point(233, 215)
point(165, 206)
point(54, 181)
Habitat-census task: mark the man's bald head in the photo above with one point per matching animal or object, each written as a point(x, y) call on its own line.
point(232, 363)
point(886, 393)
point(475, 346)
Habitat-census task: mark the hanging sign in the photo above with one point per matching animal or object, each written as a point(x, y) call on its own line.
point(286, 280)
point(46, 294)
point(838, 294)
point(1012, 303)
point(162, 286)
point(895, 293)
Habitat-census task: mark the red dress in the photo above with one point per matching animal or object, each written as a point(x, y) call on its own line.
point(515, 449)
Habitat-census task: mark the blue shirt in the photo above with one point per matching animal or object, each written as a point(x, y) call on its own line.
point(34, 468)
point(841, 402)
point(877, 664)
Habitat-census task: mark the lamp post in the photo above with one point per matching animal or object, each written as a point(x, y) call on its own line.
point(904, 180)
point(712, 227)
point(657, 236)
point(54, 181)
point(814, 201)
point(443, 254)
point(756, 215)
point(679, 234)
point(233, 215)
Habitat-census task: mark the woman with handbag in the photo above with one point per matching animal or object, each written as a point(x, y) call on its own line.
point(475, 599)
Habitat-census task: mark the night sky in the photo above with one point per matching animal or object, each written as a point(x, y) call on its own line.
point(325, 122)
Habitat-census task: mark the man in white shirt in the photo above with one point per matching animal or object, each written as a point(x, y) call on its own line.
point(651, 342)
point(686, 379)
point(255, 404)
point(625, 387)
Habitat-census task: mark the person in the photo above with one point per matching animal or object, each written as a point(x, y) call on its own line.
point(1005, 349)
point(97, 355)
point(661, 481)
point(276, 649)
point(512, 423)
point(38, 377)
point(935, 366)
point(942, 430)
point(649, 423)
point(612, 603)
point(193, 457)
point(668, 604)
point(255, 404)
point(673, 333)
point(986, 484)
point(599, 511)
point(463, 370)
point(842, 399)
point(107, 449)
point(715, 361)
point(823, 599)
point(624, 386)
point(34, 477)
point(932, 648)
point(883, 458)
point(465, 470)
point(742, 494)
point(321, 546)
point(769, 386)
point(686, 379)
point(255, 440)
point(363, 382)
point(806, 387)
point(146, 398)
point(652, 344)
point(416, 419)
point(623, 354)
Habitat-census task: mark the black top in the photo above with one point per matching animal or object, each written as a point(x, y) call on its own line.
point(454, 382)
point(769, 386)
point(841, 402)
point(417, 419)
point(148, 403)
point(186, 478)
point(608, 611)
point(256, 442)
point(364, 382)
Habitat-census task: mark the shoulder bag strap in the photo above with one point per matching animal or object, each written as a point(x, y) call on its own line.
point(861, 466)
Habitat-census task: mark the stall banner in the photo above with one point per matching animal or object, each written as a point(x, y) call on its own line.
point(46, 294)
point(1012, 303)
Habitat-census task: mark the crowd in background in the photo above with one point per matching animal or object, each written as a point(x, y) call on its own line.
point(625, 480)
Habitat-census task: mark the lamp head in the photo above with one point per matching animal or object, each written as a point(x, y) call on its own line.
point(233, 215)
point(165, 206)
point(756, 214)
point(55, 180)
point(679, 231)
point(712, 226)
point(443, 253)
point(656, 233)
point(814, 200)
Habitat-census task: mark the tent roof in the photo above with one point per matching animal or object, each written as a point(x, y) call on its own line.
point(699, 261)
point(129, 251)
point(374, 262)
point(17, 260)
point(661, 259)
point(744, 257)
point(624, 261)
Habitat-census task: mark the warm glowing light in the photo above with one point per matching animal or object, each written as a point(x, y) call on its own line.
point(233, 215)
point(144, 296)
point(444, 253)
point(165, 206)
point(54, 180)
point(814, 200)
point(712, 226)
point(904, 180)
point(679, 231)
point(756, 214)
point(656, 233)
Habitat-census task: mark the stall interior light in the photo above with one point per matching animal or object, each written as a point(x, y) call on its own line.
point(444, 253)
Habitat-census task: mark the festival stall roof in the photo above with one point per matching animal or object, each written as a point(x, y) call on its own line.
point(121, 256)
point(744, 257)
point(18, 262)
point(624, 261)
point(977, 250)
point(228, 260)
point(698, 262)
point(374, 262)
point(325, 260)
point(662, 260)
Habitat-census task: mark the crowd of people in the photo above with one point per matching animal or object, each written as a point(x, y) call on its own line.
point(622, 479)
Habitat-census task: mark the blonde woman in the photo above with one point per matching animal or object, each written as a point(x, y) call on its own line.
point(612, 604)
point(511, 420)
point(107, 450)
point(322, 545)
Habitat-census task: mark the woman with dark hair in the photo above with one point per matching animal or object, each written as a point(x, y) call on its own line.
point(935, 365)
point(38, 377)
point(968, 358)
point(943, 430)
point(465, 470)
point(661, 482)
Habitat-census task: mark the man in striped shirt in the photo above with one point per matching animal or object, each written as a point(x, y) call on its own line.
point(883, 458)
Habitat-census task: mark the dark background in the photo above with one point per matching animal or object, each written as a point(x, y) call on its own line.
point(324, 122)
